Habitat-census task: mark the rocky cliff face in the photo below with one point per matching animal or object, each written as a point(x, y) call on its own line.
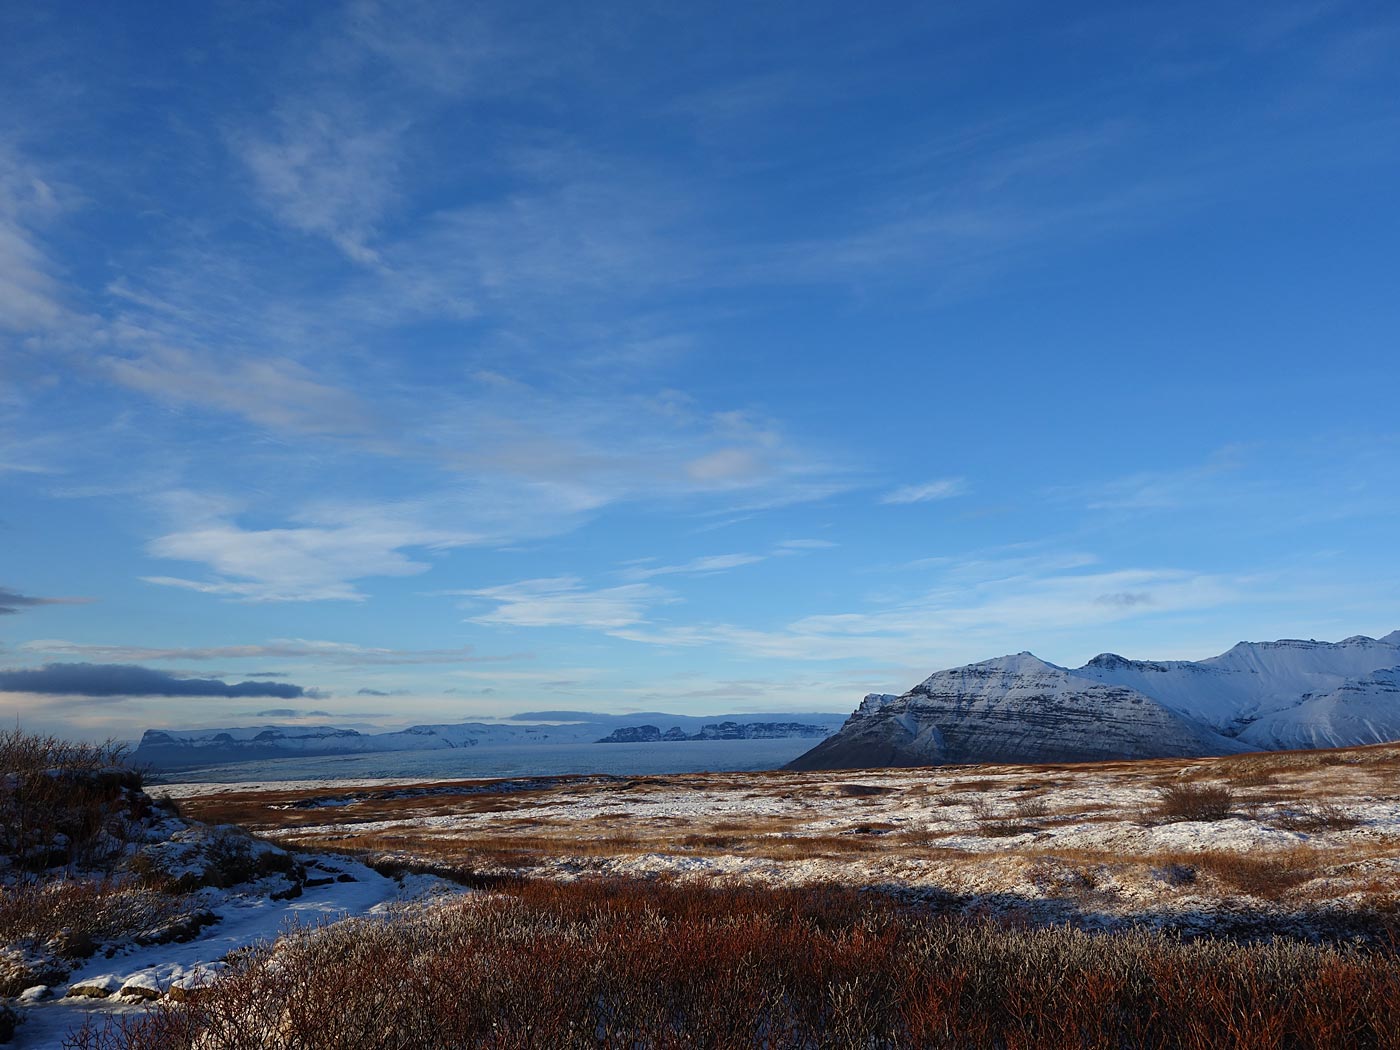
point(1257, 696)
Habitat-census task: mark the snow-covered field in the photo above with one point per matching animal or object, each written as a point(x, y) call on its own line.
point(1307, 838)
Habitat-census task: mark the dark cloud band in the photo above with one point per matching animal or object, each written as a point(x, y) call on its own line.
point(131, 680)
point(12, 601)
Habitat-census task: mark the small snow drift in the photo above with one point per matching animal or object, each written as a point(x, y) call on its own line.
point(1259, 696)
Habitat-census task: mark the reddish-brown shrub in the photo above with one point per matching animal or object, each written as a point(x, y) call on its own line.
point(1195, 802)
point(62, 802)
point(623, 964)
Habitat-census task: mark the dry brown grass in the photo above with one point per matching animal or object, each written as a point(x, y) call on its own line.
point(1267, 876)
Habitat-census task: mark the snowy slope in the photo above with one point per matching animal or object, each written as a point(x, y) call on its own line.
point(1252, 680)
point(1361, 711)
point(1011, 709)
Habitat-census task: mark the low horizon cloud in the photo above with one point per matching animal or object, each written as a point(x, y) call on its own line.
point(99, 680)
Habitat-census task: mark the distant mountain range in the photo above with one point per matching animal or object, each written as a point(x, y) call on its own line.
point(1259, 696)
point(720, 731)
point(166, 749)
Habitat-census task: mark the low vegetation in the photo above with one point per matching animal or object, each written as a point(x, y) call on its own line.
point(1196, 802)
point(89, 862)
point(63, 803)
point(64, 920)
point(654, 965)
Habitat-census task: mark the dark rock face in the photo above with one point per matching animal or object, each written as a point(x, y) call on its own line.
point(1014, 709)
point(632, 735)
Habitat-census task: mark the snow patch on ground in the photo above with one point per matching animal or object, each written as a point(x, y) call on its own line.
point(133, 976)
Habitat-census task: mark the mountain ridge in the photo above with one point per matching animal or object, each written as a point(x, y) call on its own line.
point(1263, 696)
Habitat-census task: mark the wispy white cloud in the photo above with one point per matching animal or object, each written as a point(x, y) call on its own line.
point(326, 171)
point(1219, 476)
point(962, 621)
point(609, 447)
point(794, 546)
point(30, 295)
point(716, 563)
point(331, 160)
point(564, 602)
point(976, 605)
point(708, 565)
point(316, 559)
point(271, 392)
point(511, 464)
point(944, 488)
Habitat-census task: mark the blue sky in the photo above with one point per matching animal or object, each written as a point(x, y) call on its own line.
point(426, 362)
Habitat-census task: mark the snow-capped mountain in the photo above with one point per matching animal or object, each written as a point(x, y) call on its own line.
point(1258, 696)
point(1015, 708)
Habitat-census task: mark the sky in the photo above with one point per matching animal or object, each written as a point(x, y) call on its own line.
point(371, 364)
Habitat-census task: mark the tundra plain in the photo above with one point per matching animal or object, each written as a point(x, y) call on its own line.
point(1303, 843)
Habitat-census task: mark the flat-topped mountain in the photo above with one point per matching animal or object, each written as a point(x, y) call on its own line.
point(716, 731)
point(1258, 696)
